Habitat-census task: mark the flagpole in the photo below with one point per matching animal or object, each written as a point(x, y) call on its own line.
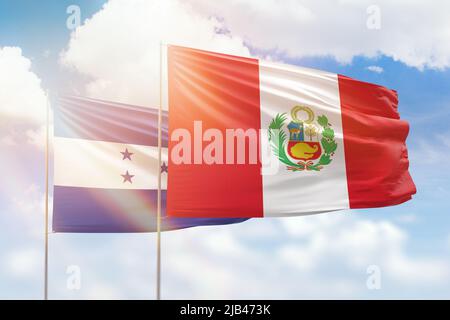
point(158, 216)
point(46, 199)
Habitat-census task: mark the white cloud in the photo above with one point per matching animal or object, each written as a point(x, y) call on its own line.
point(326, 259)
point(339, 28)
point(23, 262)
point(376, 69)
point(119, 47)
point(23, 102)
point(37, 136)
point(104, 292)
point(21, 95)
point(47, 53)
point(359, 243)
point(431, 271)
point(29, 206)
point(7, 140)
point(323, 256)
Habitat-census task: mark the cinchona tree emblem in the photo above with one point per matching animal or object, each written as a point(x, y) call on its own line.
point(311, 143)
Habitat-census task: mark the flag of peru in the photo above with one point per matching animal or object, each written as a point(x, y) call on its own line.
point(250, 138)
point(106, 169)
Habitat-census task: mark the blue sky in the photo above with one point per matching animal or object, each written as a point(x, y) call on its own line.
point(416, 234)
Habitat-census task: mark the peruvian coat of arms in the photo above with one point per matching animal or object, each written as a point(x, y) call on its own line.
point(311, 143)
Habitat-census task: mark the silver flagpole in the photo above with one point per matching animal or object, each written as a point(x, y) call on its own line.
point(46, 199)
point(158, 216)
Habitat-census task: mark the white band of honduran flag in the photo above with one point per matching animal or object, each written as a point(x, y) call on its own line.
point(104, 164)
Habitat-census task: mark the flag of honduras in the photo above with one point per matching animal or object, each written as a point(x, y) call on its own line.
point(106, 169)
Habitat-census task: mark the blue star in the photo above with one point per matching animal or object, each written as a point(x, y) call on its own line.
point(164, 168)
point(127, 154)
point(127, 177)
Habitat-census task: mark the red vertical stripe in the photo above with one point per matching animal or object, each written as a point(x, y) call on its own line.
point(375, 152)
point(222, 91)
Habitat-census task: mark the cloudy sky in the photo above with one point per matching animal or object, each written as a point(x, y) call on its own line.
point(113, 54)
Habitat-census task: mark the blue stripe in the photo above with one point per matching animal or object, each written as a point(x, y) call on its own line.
point(84, 210)
point(90, 119)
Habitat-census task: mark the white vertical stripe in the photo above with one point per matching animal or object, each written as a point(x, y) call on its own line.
point(301, 192)
point(100, 164)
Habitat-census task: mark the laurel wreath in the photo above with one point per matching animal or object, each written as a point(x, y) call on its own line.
point(277, 139)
